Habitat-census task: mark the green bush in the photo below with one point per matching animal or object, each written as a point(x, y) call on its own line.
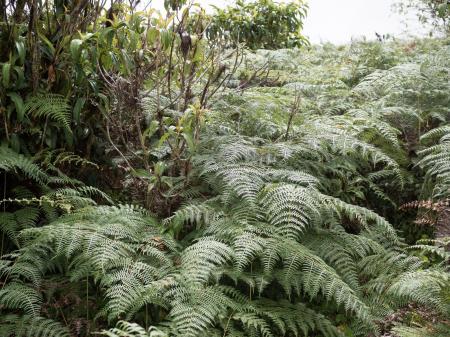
point(261, 24)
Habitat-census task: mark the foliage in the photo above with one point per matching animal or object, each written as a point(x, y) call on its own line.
point(436, 161)
point(260, 24)
point(260, 186)
point(436, 11)
point(438, 331)
point(43, 89)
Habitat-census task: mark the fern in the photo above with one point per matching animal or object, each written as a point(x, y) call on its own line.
point(440, 330)
point(12, 161)
point(126, 329)
point(12, 223)
point(201, 258)
point(52, 106)
point(284, 316)
point(22, 326)
point(275, 235)
point(437, 247)
point(435, 161)
point(19, 296)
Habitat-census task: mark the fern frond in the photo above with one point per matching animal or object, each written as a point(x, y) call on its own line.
point(290, 208)
point(362, 215)
point(20, 296)
point(422, 287)
point(283, 315)
point(200, 260)
point(195, 308)
point(25, 326)
point(53, 106)
point(438, 330)
point(12, 161)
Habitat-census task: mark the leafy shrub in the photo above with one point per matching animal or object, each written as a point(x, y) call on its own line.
point(261, 24)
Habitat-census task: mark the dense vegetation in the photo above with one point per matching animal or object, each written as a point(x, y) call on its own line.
point(261, 24)
point(157, 182)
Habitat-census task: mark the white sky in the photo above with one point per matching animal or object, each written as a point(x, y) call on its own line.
point(339, 21)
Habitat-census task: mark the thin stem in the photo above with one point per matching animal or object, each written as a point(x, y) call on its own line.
point(294, 110)
point(3, 112)
point(87, 298)
point(227, 325)
point(62, 314)
point(44, 132)
point(146, 316)
point(4, 210)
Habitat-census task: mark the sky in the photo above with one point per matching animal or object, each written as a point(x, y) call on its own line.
point(339, 21)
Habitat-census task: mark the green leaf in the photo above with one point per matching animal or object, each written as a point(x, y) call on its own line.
point(15, 142)
point(163, 138)
point(189, 137)
point(107, 35)
point(48, 43)
point(68, 137)
point(6, 72)
point(152, 35)
point(166, 38)
point(75, 49)
point(20, 107)
point(150, 131)
point(20, 81)
point(142, 173)
point(160, 167)
point(20, 46)
point(199, 51)
point(79, 104)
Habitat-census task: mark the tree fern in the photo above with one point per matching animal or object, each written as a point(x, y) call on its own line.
point(267, 234)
